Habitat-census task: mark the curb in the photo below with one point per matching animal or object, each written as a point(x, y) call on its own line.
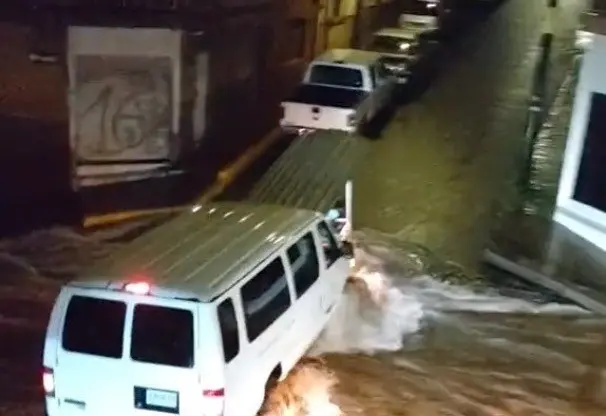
point(225, 177)
point(533, 276)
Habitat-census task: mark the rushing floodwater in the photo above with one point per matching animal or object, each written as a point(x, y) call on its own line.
point(404, 343)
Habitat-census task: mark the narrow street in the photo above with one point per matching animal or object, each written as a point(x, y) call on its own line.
point(447, 163)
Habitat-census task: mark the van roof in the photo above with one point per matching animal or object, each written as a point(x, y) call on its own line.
point(204, 251)
point(348, 56)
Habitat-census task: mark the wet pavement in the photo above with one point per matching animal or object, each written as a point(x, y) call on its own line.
point(446, 166)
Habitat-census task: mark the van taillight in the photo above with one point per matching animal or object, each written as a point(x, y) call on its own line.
point(214, 402)
point(48, 381)
point(213, 393)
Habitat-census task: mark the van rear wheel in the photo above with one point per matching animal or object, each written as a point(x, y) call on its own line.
point(274, 378)
point(270, 384)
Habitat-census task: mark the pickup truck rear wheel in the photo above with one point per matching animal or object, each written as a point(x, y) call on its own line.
point(370, 129)
point(363, 128)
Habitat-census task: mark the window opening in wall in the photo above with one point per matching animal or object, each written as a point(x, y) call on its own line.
point(336, 8)
point(590, 186)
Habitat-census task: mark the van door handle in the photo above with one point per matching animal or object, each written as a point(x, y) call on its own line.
point(78, 403)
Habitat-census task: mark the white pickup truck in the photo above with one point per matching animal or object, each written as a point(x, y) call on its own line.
point(343, 90)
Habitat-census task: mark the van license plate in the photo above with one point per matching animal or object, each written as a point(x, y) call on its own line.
point(162, 398)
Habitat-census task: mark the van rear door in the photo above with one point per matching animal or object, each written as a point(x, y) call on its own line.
point(90, 372)
point(127, 354)
point(163, 354)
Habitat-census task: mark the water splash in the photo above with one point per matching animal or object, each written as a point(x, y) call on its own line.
point(371, 316)
point(307, 390)
point(394, 288)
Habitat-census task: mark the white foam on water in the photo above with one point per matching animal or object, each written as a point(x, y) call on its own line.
point(379, 310)
point(444, 297)
point(376, 320)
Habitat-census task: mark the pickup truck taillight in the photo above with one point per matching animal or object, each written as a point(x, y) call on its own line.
point(351, 120)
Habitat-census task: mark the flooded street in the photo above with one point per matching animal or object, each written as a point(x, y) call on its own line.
point(402, 341)
point(416, 333)
point(423, 337)
point(429, 348)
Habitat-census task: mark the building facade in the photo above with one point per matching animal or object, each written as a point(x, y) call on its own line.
point(581, 200)
point(147, 87)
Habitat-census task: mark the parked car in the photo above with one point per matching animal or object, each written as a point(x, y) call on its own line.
point(439, 15)
point(343, 89)
point(424, 24)
point(197, 317)
point(406, 54)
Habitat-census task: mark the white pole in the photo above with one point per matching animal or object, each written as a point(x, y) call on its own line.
point(349, 204)
point(347, 230)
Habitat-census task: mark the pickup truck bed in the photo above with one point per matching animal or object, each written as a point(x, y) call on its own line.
point(325, 96)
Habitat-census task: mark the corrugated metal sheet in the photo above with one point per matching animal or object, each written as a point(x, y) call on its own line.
point(312, 173)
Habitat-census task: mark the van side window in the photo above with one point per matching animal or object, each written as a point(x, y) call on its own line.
point(264, 298)
point(162, 335)
point(94, 326)
point(229, 329)
point(332, 251)
point(303, 260)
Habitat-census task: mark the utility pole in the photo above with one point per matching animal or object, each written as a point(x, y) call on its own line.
point(539, 90)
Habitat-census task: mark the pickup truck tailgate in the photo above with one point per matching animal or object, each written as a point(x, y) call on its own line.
point(322, 108)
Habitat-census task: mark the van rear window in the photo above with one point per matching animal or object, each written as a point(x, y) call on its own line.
point(94, 326)
point(163, 336)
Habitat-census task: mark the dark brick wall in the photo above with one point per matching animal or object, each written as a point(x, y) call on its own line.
point(251, 69)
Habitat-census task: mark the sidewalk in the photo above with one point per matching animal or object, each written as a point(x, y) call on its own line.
point(530, 244)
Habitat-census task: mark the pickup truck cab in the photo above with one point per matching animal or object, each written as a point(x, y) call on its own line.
point(406, 54)
point(343, 90)
point(199, 316)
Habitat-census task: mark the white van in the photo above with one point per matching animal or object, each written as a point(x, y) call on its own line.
point(197, 317)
